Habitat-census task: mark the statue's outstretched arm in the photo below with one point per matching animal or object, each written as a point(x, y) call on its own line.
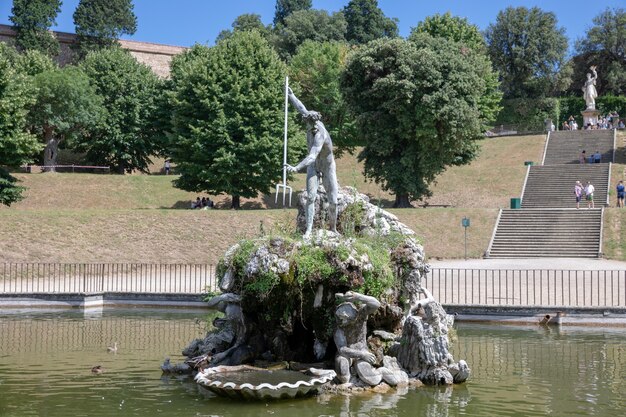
point(370, 302)
point(297, 103)
point(313, 153)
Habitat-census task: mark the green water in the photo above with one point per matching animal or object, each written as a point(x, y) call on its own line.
point(46, 361)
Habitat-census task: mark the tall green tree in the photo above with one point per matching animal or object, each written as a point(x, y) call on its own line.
point(303, 25)
point(528, 49)
point(454, 28)
point(227, 118)
point(126, 139)
point(32, 20)
point(316, 72)
point(246, 22)
point(417, 107)
point(100, 23)
point(17, 145)
point(458, 29)
point(285, 7)
point(66, 107)
point(366, 22)
point(605, 46)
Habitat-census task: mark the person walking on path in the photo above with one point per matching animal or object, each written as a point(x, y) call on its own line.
point(167, 167)
point(620, 194)
point(578, 191)
point(589, 189)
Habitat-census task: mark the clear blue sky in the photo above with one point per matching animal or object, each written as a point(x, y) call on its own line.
point(185, 22)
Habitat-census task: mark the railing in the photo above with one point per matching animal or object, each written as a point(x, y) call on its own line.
point(67, 168)
point(57, 278)
point(535, 287)
point(486, 287)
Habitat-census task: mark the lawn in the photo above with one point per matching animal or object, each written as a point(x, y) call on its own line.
point(143, 218)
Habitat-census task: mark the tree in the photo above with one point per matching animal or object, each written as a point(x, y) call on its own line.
point(66, 106)
point(417, 107)
point(227, 118)
point(17, 146)
point(314, 25)
point(316, 71)
point(33, 62)
point(245, 22)
point(100, 23)
point(450, 27)
point(285, 7)
point(32, 20)
point(458, 29)
point(604, 46)
point(366, 22)
point(528, 50)
point(126, 138)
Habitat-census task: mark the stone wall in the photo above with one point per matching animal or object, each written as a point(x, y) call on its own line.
point(154, 55)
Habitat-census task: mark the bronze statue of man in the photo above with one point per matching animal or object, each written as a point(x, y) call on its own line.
point(319, 161)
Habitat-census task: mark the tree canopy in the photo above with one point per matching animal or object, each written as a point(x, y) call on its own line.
point(285, 7)
point(227, 118)
point(17, 145)
point(528, 49)
point(458, 29)
point(316, 72)
point(366, 22)
point(32, 20)
point(605, 46)
point(126, 139)
point(417, 107)
point(246, 22)
point(450, 27)
point(313, 25)
point(99, 23)
point(66, 107)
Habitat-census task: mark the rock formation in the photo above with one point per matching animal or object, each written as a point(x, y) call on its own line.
point(352, 301)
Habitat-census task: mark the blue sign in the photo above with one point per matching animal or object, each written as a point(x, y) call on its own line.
point(465, 222)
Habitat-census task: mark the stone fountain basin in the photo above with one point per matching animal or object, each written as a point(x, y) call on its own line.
point(251, 383)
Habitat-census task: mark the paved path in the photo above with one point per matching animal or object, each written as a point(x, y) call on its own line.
point(567, 282)
point(532, 263)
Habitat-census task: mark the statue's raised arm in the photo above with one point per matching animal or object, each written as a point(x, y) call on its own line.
point(297, 103)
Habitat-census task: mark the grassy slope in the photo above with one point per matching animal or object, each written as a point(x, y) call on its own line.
point(110, 218)
point(614, 238)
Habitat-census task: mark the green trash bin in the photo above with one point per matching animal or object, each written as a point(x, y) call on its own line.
point(516, 203)
point(526, 163)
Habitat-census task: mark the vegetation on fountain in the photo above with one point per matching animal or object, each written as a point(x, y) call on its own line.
point(282, 291)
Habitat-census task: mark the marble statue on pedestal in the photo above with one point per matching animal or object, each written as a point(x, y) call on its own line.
point(589, 89)
point(319, 161)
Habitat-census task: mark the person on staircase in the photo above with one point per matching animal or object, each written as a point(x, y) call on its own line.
point(578, 192)
point(589, 189)
point(597, 157)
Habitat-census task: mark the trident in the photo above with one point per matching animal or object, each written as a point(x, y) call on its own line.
point(284, 185)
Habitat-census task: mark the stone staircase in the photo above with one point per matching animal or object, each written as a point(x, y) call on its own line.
point(564, 147)
point(548, 224)
point(553, 185)
point(535, 233)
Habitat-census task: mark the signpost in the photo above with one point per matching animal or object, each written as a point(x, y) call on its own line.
point(465, 223)
point(284, 185)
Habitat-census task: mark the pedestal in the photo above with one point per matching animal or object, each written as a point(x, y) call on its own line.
point(590, 116)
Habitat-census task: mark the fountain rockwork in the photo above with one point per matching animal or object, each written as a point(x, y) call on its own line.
point(352, 302)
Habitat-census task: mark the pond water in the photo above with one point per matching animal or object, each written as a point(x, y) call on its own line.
point(46, 361)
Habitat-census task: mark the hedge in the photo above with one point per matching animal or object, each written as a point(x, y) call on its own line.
point(530, 114)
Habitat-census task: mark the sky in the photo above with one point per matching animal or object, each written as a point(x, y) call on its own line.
point(186, 22)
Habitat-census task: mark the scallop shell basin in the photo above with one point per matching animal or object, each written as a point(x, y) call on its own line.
point(251, 383)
